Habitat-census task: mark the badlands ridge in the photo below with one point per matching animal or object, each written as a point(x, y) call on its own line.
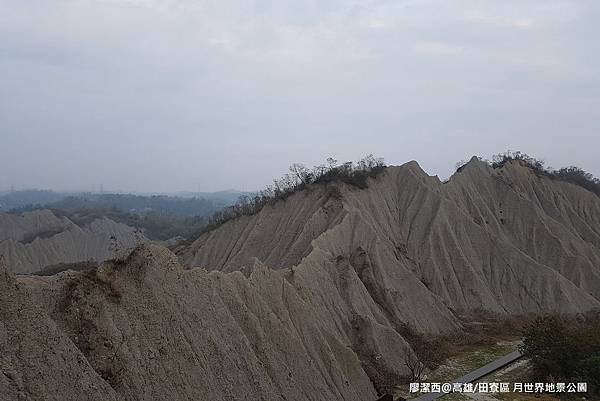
point(40, 239)
point(309, 298)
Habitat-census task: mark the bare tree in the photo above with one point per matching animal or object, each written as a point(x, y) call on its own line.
point(300, 172)
point(319, 170)
point(415, 366)
point(331, 162)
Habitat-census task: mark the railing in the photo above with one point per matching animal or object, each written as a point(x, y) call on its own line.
point(469, 377)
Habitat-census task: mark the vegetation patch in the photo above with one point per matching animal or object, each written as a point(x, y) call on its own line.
point(571, 174)
point(155, 225)
point(299, 178)
point(471, 359)
point(485, 337)
point(565, 349)
point(160, 217)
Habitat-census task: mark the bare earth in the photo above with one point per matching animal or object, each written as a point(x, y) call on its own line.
point(306, 299)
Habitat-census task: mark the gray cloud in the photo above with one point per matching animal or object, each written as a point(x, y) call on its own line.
point(176, 94)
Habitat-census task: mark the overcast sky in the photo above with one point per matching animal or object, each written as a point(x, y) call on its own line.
point(168, 95)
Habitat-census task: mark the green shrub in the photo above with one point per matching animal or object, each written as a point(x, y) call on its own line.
point(564, 349)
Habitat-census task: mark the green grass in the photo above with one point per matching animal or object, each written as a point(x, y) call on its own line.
point(470, 360)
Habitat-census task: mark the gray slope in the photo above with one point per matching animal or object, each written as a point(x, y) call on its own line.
point(503, 240)
point(37, 361)
point(39, 239)
point(155, 331)
point(307, 299)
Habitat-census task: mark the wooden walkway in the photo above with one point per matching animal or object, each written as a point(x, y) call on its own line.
point(476, 374)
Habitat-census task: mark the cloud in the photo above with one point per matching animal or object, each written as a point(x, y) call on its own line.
point(376, 23)
point(153, 94)
point(437, 48)
point(498, 20)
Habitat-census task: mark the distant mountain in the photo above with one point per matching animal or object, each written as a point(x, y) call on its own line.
point(18, 199)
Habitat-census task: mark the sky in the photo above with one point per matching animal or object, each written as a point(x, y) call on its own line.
point(173, 95)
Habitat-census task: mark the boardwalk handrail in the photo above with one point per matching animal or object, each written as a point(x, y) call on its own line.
point(476, 374)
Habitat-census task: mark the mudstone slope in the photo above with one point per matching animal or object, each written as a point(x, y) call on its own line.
point(35, 240)
point(309, 299)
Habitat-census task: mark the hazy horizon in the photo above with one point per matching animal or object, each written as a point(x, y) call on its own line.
point(180, 95)
point(97, 189)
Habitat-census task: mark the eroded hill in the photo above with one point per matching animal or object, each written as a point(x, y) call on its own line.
point(311, 298)
point(36, 240)
point(503, 240)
